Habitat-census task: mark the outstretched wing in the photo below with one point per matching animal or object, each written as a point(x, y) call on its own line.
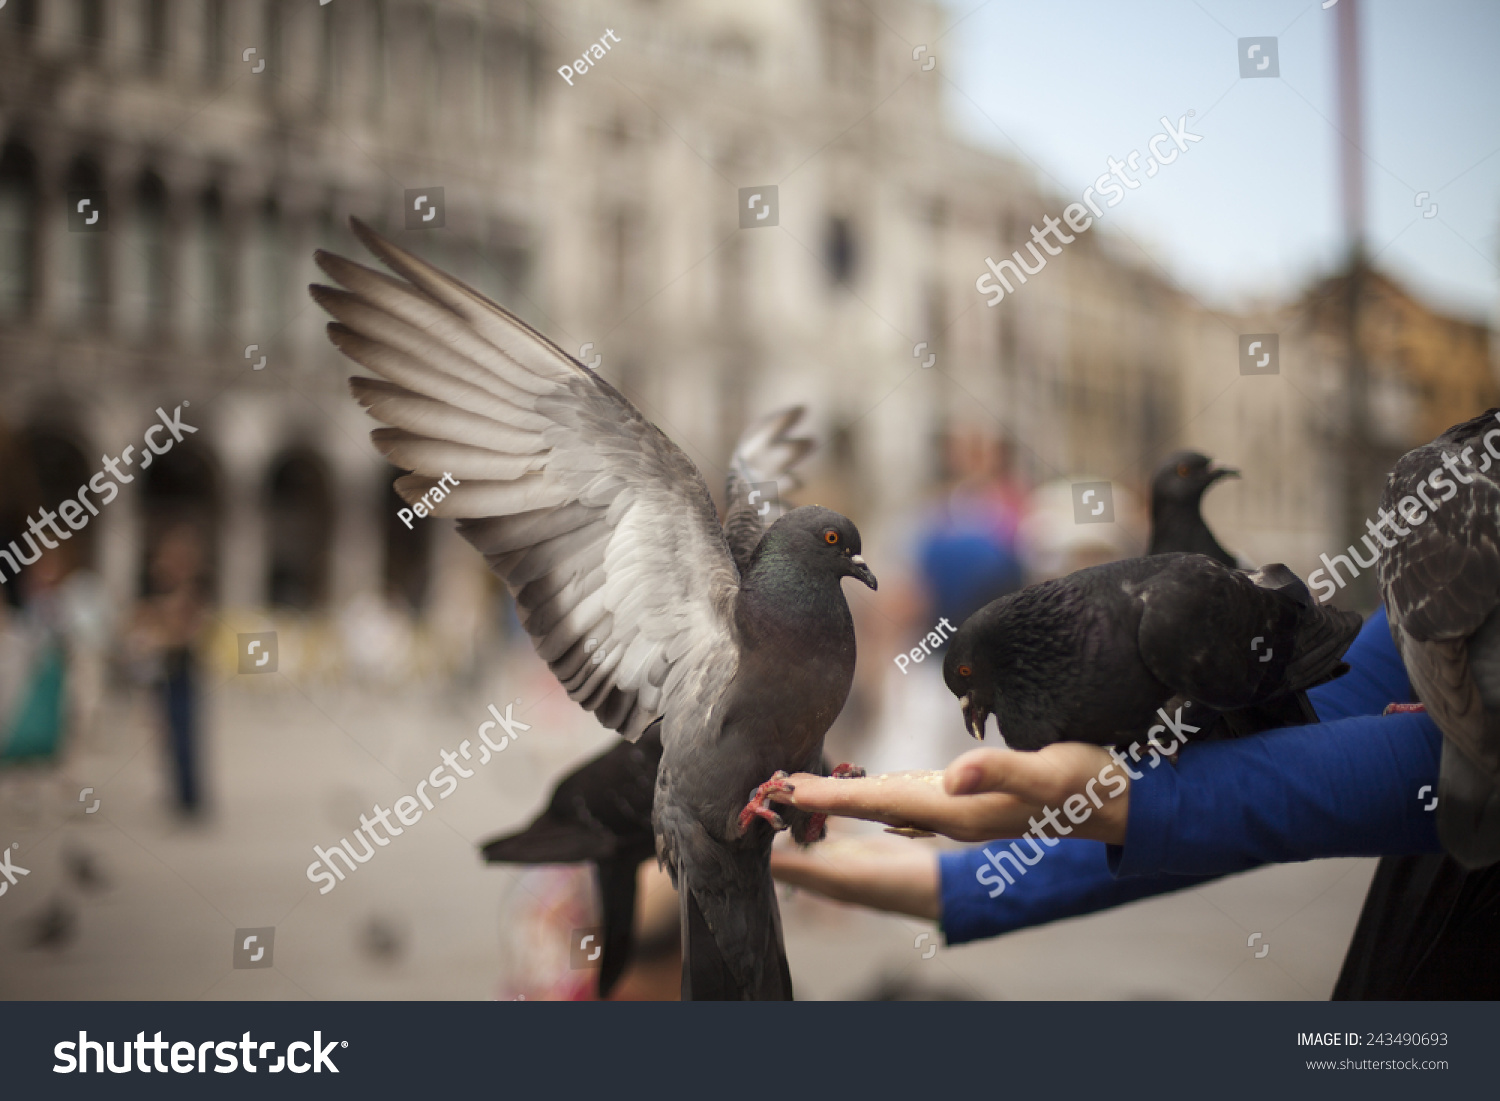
point(766, 453)
point(600, 525)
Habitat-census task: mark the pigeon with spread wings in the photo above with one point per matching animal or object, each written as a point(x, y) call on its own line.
point(607, 536)
point(601, 811)
point(1441, 585)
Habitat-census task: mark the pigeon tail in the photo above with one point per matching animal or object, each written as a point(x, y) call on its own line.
point(744, 959)
point(1323, 635)
point(617, 884)
point(1468, 813)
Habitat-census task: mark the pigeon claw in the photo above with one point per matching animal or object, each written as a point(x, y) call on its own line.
point(814, 828)
point(1403, 708)
point(759, 804)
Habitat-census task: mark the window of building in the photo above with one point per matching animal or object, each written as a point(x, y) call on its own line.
point(18, 231)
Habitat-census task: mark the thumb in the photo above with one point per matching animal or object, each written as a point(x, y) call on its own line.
point(982, 770)
point(1041, 776)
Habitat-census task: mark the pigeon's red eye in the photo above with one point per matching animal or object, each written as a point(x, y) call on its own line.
point(1182, 470)
point(965, 671)
point(830, 536)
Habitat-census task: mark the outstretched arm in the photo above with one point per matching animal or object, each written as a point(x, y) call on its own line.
point(1343, 788)
point(1343, 783)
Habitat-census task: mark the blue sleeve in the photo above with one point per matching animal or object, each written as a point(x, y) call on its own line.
point(1351, 787)
point(985, 893)
point(1347, 787)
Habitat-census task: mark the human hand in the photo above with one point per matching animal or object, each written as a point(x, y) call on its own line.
point(1065, 788)
point(878, 872)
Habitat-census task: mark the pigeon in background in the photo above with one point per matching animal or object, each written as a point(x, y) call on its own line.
point(605, 533)
point(601, 811)
point(1441, 586)
point(1177, 491)
point(1091, 657)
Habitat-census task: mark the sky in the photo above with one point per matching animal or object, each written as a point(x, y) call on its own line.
point(1252, 210)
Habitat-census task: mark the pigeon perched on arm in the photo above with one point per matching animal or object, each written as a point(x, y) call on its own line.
point(1177, 522)
point(1091, 657)
point(606, 534)
point(601, 811)
point(1441, 585)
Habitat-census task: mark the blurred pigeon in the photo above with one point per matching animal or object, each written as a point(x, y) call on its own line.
point(1441, 586)
point(1091, 657)
point(83, 867)
point(606, 534)
point(1177, 491)
point(55, 927)
point(382, 939)
point(601, 811)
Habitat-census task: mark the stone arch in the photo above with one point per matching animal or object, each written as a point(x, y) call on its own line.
point(299, 512)
point(181, 497)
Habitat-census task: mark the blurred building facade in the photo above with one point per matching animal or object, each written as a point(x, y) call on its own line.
point(231, 139)
point(1288, 431)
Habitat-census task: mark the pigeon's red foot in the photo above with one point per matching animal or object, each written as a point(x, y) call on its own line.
point(759, 804)
point(1402, 708)
point(815, 826)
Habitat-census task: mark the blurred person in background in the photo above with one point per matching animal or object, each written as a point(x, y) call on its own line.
point(967, 548)
point(964, 553)
point(163, 639)
point(34, 663)
point(1054, 543)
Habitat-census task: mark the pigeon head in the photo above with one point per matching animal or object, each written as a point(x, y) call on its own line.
point(815, 534)
point(1185, 475)
point(977, 658)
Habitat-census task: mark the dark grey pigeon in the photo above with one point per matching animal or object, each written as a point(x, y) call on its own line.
point(601, 811)
point(1177, 522)
point(1091, 657)
point(606, 534)
point(1441, 585)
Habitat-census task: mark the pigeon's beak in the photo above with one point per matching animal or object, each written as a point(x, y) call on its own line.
point(862, 571)
point(975, 715)
point(1222, 472)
